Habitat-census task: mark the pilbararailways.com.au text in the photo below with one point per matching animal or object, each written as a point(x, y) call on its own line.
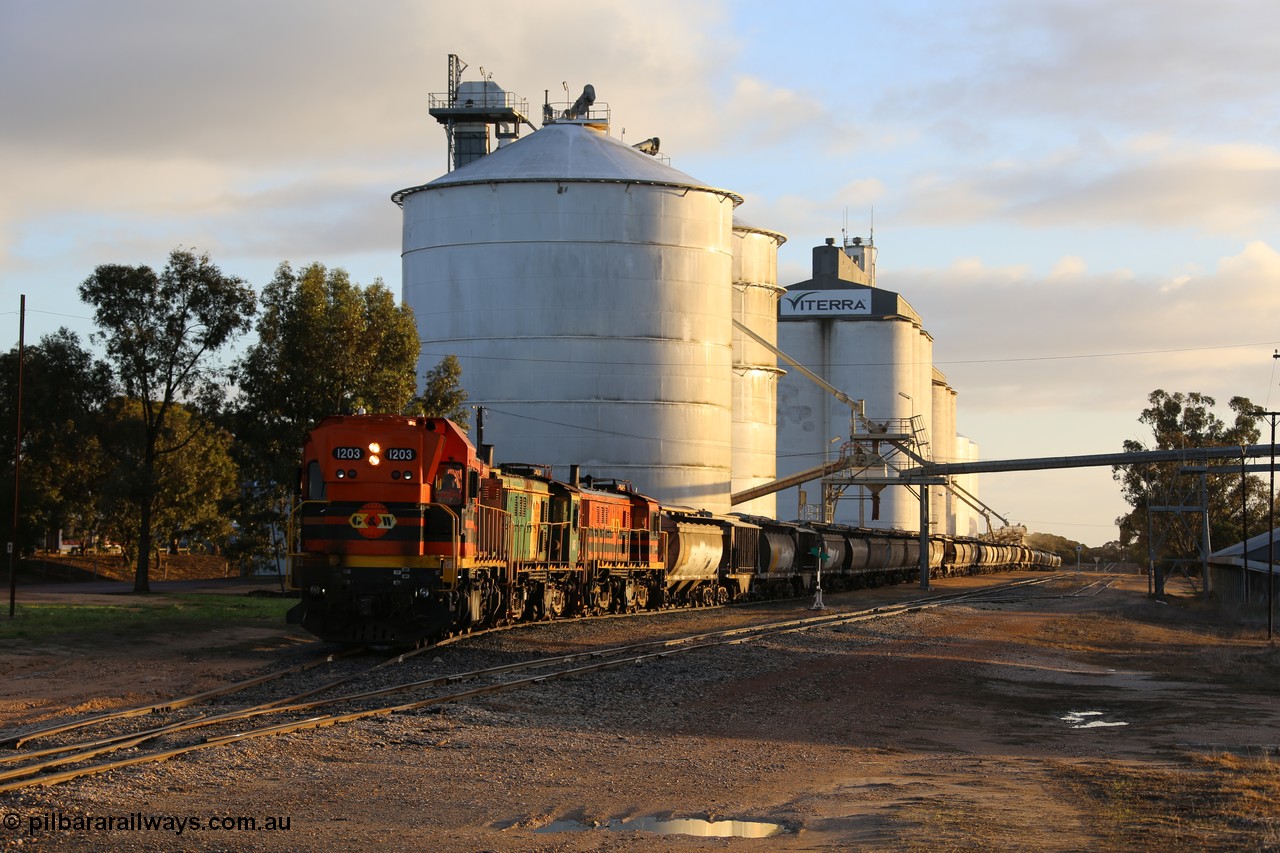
point(50, 822)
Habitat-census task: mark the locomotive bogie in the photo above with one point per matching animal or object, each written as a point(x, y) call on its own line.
point(368, 604)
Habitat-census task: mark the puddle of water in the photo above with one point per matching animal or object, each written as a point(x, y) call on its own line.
point(676, 826)
point(1084, 720)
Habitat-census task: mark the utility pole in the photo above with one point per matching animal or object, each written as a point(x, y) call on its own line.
point(1271, 525)
point(17, 464)
point(1244, 531)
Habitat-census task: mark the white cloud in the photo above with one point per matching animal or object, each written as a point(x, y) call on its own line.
point(1070, 268)
point(266, 128)
point(1021, 159)
point(1216, 188)
point(1010, 342)
point(1184, 64)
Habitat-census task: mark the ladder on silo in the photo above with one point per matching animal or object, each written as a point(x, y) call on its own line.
point(920, 437)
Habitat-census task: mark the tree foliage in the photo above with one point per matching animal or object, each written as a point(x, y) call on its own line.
point(63, 391)
point(137, 447)
point(326, 345)
point(442, 395)
point(194, 482)
point(1068, 549)
point(161, 333)
point(1186, 421)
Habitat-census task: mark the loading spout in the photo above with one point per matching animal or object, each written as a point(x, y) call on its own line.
point(584, 102)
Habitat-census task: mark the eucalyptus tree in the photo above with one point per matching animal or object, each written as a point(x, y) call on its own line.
point(194, 484)
point(162, 333)
point(442, 393)
point(1187, 421)
point(64, 389)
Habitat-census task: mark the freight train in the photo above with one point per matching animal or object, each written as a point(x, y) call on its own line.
point(404, 533)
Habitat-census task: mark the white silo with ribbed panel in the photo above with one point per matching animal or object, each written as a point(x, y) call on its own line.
point(586, 289)
point(755, 367)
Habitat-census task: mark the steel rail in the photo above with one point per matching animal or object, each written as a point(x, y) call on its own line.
point(87, 749)
point(666, 648)
point(17, 739)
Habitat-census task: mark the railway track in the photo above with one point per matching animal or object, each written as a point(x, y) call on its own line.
point(303, 711)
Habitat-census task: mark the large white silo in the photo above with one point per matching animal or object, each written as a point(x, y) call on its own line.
point(869, 343)
point(586, 289)
point(755, 368)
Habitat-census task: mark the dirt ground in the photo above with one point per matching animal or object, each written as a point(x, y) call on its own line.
point(1074, 721)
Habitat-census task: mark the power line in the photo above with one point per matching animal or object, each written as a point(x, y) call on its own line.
point(1121, 354)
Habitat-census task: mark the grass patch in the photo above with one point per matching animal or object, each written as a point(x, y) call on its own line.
point(1221, 802)
point(155, 614)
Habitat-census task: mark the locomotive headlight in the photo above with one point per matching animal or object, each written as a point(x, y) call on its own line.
point(375, 460)
point(341, 474)
point(374, 447)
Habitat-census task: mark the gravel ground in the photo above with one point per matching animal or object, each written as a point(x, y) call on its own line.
point(938, 730)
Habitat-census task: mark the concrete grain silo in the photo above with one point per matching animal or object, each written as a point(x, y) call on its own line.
point(587, 290)
point(755, 368)
point(944, 503)
point(969, 520)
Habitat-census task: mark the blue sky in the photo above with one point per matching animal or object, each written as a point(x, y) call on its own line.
point(1082, 199)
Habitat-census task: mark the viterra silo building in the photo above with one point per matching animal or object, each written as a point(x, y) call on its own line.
point(872, 345)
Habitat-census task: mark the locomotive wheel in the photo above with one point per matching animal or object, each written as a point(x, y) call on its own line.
point(642, 597)
point(515, 603)
point(554, 598)
point(601, 597)
point(493, 604)
point(624, 593)
point(708, 596)
point(722, 596)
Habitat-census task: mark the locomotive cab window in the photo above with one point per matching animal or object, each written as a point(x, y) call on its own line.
point(448, 485)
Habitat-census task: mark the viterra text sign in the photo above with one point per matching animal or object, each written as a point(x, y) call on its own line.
point(826, 303)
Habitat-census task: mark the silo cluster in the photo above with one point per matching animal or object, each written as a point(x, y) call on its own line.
point(872, 345)
point(590, 292)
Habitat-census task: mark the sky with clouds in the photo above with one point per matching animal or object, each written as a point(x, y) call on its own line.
point(1080, 198)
